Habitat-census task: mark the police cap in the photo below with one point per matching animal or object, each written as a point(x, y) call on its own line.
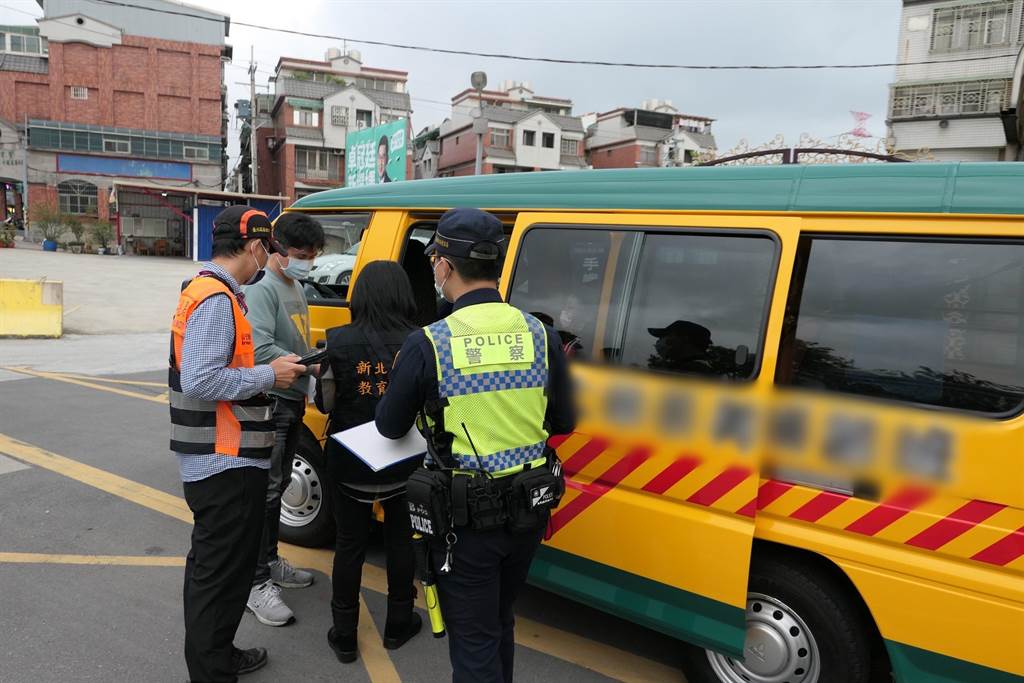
point(468, 233)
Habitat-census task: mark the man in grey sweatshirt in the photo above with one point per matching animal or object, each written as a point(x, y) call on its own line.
point(279, 317)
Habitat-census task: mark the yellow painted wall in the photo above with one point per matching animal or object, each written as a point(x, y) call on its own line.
point(31, 308)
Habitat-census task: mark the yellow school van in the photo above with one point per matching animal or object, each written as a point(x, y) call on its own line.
point(801, 443)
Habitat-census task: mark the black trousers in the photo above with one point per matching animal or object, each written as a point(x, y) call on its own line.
point(353, 520)
point(478, 597)
point(228, 509)
point(288, 425)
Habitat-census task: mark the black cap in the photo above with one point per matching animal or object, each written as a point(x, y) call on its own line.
point(684, 329)
point(248, 223)
point(466, 232)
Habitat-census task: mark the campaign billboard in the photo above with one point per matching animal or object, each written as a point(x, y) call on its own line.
point(376, 155)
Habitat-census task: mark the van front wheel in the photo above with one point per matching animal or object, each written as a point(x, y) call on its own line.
point(306, 517)
point(800, 629)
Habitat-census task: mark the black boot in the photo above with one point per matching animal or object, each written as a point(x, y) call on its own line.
point(401, 625)
point(342, 637)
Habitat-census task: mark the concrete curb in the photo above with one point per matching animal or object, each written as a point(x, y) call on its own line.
point(31, 308)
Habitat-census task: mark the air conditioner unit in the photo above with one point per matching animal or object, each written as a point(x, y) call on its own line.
point(360, 124)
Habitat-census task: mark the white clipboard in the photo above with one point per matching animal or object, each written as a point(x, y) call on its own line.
point(380, 452)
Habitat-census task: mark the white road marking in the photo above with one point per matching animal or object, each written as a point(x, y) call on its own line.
point(8, 465)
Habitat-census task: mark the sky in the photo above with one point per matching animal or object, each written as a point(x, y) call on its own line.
point(748, 105)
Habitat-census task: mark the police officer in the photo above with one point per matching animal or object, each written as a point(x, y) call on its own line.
point(490, 384)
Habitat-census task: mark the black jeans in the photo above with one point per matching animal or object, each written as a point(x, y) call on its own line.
point(228, 513)
point(288, 422)
point(353, 520)
point(489, 569)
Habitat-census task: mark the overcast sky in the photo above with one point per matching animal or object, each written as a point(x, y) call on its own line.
point(755, 105)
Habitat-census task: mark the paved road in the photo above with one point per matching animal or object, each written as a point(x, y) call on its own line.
point(93, 533)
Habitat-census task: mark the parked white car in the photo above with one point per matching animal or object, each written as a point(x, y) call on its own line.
point(334, 269)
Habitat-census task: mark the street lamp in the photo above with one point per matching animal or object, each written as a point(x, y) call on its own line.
point(478, 79)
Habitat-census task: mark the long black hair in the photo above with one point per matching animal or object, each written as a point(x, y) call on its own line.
point(382, 298)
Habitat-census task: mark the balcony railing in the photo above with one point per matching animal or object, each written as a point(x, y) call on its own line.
point(317, 173)
point(950, 99)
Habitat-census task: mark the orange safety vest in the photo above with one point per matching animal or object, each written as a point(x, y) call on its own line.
point(199, 427)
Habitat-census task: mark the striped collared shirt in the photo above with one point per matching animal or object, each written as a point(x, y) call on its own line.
point(207, 350)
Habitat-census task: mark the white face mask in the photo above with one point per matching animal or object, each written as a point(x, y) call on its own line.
point(297, 269)
point(439, 288)
point(258, 275)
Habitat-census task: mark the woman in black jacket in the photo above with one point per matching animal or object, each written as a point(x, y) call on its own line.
point(360, 356)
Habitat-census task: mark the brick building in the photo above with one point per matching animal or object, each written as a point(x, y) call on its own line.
point(301, 128)
point(525, 132)
point(655, 134)
point(956, 78)
point(108, 93)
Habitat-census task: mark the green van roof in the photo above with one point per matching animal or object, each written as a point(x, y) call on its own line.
point(968, 188)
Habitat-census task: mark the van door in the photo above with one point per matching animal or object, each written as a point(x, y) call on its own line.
point(667, 320)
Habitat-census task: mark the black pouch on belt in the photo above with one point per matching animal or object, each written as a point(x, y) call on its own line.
point(485, 501)
point(534, 493)
point(428, 493)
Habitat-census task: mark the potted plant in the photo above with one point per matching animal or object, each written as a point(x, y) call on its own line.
point(7, 239)
point(50, 222)
point(104, 233)
point(77, 229)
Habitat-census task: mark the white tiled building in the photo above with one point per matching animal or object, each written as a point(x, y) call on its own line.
point(953, 106)
point(525, 132)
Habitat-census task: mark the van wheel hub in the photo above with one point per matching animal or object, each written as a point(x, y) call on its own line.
point(779, 648)
point(301, 501)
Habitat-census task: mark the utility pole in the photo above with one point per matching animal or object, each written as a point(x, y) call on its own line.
point(24, 184)
point(253, 152)
point(478, 79)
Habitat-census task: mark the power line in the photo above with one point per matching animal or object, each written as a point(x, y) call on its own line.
point(21, 11)
point(557, 60)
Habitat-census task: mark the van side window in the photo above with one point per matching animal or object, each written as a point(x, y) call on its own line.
point(421, 276)
point(699, 304)
point(573, 280)
point(929, 322)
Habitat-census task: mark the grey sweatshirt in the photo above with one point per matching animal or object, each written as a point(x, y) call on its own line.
point(279, 317)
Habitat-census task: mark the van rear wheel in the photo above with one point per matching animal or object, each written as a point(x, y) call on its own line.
point(306, 516)
point(800, 629)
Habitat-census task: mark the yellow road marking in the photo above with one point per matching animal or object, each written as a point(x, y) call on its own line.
point(82, 383)
point(109, 380)
point(583, 652)
point(143, 495)
point(106, 560)
point(371, 649)
point(378, 663)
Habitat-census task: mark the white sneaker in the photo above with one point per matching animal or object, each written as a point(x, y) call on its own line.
point(266, 605)
point(286, 576)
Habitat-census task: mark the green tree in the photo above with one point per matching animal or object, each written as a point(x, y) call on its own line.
point(48, 219)
point(103, 232)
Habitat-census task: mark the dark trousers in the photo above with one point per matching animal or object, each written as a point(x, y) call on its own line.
point(477, 598)
point(228, 513)
point(353, 521)
point(288, 423)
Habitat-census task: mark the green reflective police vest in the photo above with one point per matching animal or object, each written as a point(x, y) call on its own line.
point(492, 374)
